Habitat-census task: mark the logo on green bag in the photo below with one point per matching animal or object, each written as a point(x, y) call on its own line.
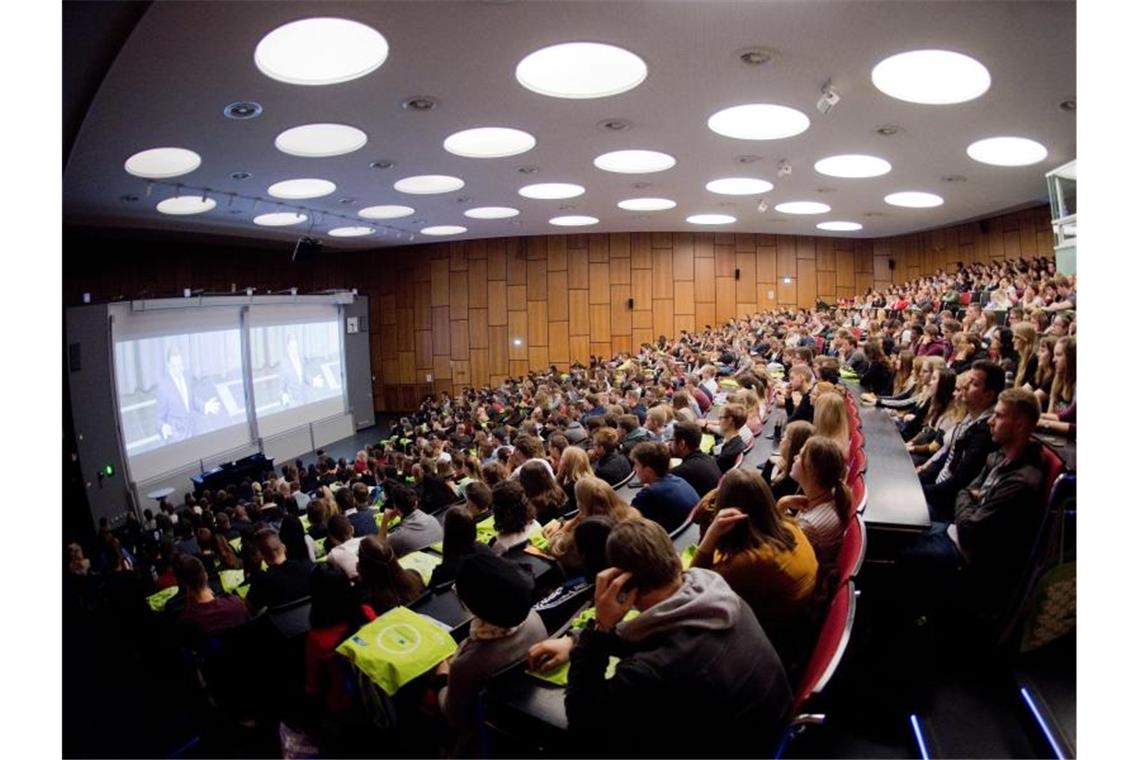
point(398, 638)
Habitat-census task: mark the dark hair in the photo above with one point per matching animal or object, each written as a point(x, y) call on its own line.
point(334, 601)
point(340, 528)
point(293, 536)
point(344, 500)
point(746, 490)
point(479, 494)
point(383, 581)
point(458, 531)
point(190, 572)
point(543, 495)
point(943, 395)
point(509, 507)
point(688, 433)
point(653, 455)
point(402, 498)
point(590, 541)
point(642, 548)
point(361, 494)
point(995, 375)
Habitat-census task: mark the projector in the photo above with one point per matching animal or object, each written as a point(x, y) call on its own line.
point(306, 250)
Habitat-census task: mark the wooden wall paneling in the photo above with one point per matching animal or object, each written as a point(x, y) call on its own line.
point(724, 259)
point(423, 352)
point(557, 299)
point(421, 305)
point(536, 248)
point(537, 357)
point(440, 331)
point(844, 269)
point(460, 346)
point(458, 301)
point(601, 348)
point(806, 285)
point(662, 240)
point(725, 298)
point(704, 246)
point(863, 256)
point(663, 317)
point(499, 350)
point(477, 283)
point(536, 279)
point(441, 368)
point(1011, 244)
point(560, 343)
point(744, 241)
point(805, 247)
point(477, 328)
point(460, 374)
point(387, 310)
point(684, 301)
point(706, 314)
point(598, 247)
point(518, 368)
point(556, 253)
point(882, 270)
point(420, 265)
point(640, 251)
point(824, 255)
point(405, 330)
point(785, 257)
point(516, 331)
point(538, 324)
point(600, 322)
point(579, 312)
point(746, 282)
point(621, 344)
point(704, 283)
point(1028, 231)
point(497, 303)
point(458, 257)
point(516, 297)
point(580, 348)
point(643, 318)
point(599, 282)
point(577, 241)
point(621, 316)
point(440, 290)
point(765, 263)
point(825, 285)
point(480, 366)
point(642, 335)
point(863, 281)
point(406, 366)
point(786, 291)
point(662, 275)
point(476, 249)
point(385, 342)
point(516, 261)
point(766, 295)
point(578, 269)
point(619, 245)
point(683, 256)
point(620, 271)
point(642, 288)
point(684, 322)
point(497, 261)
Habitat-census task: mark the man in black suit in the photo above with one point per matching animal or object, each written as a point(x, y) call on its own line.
point(943, 478)
point(296, 381)
point(697, 468)
point(178, 409)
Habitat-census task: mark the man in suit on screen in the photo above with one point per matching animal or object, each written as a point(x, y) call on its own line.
point(177, 406)
point(295, 382)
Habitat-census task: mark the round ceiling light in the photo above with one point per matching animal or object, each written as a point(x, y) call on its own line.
point(351, 231)
point(635, 161)
point(428, 184)
point(280, 219)
point(931, 77)
point(297, 189)
point(914, 199)
point(710, 219)
point(548, 191)
point(758, 121)
point(839, 226)
point(581, 70)
point(491, 212)
point(1007, 151)
point(738, 186)
point(444, 229)
point(385, 212)
point(803, 207)
point(317, 51)
point(853, 166)
point(162, 163)
point(320, 140)
point(647, 204)
point(186, 204)
point(489, 142)
point(573, 220)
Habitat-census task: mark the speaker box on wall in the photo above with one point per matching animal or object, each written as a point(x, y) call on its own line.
point(891, 264)
point(307, 249)
point(737, 274)
point(630, 303)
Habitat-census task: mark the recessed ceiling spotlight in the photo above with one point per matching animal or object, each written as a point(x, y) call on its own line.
point(428, 184)
point(874, 214)
point(914, 199)
point(236, 211)
point(574, 220)
point(953, 178)
point(567, 207)
point(129, 198)
point(489, 142)
point(889, 130)
point(802, 207)
point(528, 170)
point(641, 185)
point(551, 190)
point(635, 161)
point(614, 125)
point(758, 121)
point(491, 212)
point(827, 190)
point(320, 140)
point(444, 229)
point(710, 219)
point(647, 204)
point(839, 226)
point(419, 103)
point(297, 189)
point(1007, 151)
point(382, 164)
point(280, 219)
point(463, 199)
point(184, 205)
point(351, 231)
point(162, 163)
point(852, 166)
point(346, 201)
point(243, 109)
point(320, 51)
point(1070, 104)
point(581, 70)
point(931, 77)
point(385, 212)
point(748, 158)
point(738, 186)
point(755, 56)
point(783, 169)
point(240, 175)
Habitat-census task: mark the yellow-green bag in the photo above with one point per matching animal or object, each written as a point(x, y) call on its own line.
point(485, 530)
point(687, 556)
point(235, 542)
point(707, 443)
point(231, 579)
point(422, 562)
point(397, 647)
point(158, 601)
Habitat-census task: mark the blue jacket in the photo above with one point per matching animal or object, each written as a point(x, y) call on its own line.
point(667, 501)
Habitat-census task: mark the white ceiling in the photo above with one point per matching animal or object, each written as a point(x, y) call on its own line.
point(185, 61)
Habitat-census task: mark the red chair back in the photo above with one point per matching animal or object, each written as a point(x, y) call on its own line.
point(702, 399)
point(1053, 468)
point(856, 441)
point(739, 460)
point(852, 550)
point(829, 647)
point(858, 487)
point(857, 465)
point(966, 297)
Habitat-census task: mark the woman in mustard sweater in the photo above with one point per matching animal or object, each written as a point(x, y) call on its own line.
point(764, 556)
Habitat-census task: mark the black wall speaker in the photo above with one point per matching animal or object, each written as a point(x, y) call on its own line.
point(891, 264)
point(307, 249)
point(737, 274)
point(630, 303)
point(984, 226)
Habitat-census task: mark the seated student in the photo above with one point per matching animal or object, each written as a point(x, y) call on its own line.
point(777, 470)
point(514, 522)
point(432, 490)
point(284, 580)
point(877, 378)
point(458, 543)
point(1061, 417)
point(697, 468)
point(943, 413)
point(527, 448)
point(824, 508)
point(417, 529)
point(664, 497)
point(609, 464)
point(318, 512)
point(631, 432)
point(732, 420)
point(344, 546)
point(831, 420)
point(362, 514)
point(336, 613)
point(695, 657)
point(995, 516)
point(595, 498)
point(764, 556)
point(544, 496)
point(203, 614)
point(572, 467)
point(504, 628)
point(383, 583)
point(800, 381)
point(298, 544)
point(478, 503)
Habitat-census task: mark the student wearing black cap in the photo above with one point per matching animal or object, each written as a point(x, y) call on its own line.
point(503, 630)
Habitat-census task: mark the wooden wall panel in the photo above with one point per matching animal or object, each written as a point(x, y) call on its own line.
point(578, 269)
point(579, 312)
point(480, 366)
point(558, 299)
point(640, 251)
point(786, 291)
point(706, 315)
point(536, 280)
point(599, 282)
point(806, 286)
point(477, 328)
point(663, 317)
point(766, 263)
point(477, 284)
point(621, 316)
point(600, 322)
point(440, 289)
point(620, 271)
point(725, 298)
point(683, 255)
point(746, 282)
point(642, 289)
point(497, 303)
point(516, 334)
point(440, 330)
point(458, 301)
point(556, 253)
point(785, 257)
point(460, 348)
point(704, 286)
point(662, 275)
point(825, 282)
point(579, 348)
point(683, 297)
point(560, 343)
point(537, 324)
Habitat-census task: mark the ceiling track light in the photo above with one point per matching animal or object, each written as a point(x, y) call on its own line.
point(240, 175)
point(784, 168)
point(528, 170)
point(828, 99)
point(762, 206)
point(748, 159)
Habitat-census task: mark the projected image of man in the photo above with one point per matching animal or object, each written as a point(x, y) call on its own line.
point(177, 406)
point(296, 381)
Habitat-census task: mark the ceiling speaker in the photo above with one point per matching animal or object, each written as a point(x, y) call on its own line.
point(306, 250)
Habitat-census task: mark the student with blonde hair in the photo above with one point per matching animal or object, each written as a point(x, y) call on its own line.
point(831, 421)
point(824, 508)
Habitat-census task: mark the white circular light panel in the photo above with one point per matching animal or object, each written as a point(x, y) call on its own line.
point(385, 212)
point(351, 231)
point(803, 207)
point(298, 189)
point(184, 205)
point(840, 226)
point(738, 186)
point(489, 142)
point(319, 51)
point(647, 204)
point(551, 191)
point(320, 140)
point(574, 220)
point(931, 77)
point(852, 166)
point(914, 199)
point(280, 219)
point(428, 184)
point(162, 163)
point(581, 70)
point(491, 212)
point(710, 219)
point(635, 161)
point(758, 121)
point(1007, 151)
point(444, 229)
